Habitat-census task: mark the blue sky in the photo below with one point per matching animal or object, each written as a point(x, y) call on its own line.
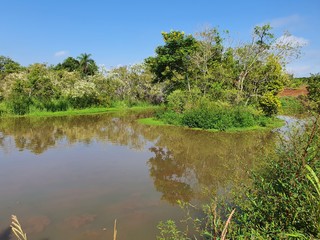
point(125, 32)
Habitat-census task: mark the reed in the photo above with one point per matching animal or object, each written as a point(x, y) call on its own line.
point(115, 230)
point(17, 229)
point(225, 229)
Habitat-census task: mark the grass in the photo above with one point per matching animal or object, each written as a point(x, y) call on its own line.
point(276, 123)
point(291, 106)
point(86, 111)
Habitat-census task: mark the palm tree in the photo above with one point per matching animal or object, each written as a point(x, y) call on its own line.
point(87, 65)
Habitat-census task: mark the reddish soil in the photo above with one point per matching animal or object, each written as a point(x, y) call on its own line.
point(287, 92)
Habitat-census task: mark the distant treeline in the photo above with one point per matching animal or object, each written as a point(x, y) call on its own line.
point(191, 70)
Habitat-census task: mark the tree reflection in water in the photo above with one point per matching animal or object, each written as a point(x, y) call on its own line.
point(184, 162)
point(169, 176)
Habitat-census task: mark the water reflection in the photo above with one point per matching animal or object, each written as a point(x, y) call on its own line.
point(169, 176)
point(187, 161)
point(40, 134)
point(184, 161)
point(84, 171)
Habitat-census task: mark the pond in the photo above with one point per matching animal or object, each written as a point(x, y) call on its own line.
point(71, 177)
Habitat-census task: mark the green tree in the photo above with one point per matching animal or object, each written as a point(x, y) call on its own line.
point(172, 61)
point(70, 64)
point(7, 66)
point(86, 64)
point(40, 83)
point(252, 55)
point(262, 61)
point(214, 64)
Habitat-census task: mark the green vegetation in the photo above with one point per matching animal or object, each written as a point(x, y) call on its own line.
point(292, 106)
point(282, 202)
point(265, 124)
point(313, 88)
point(91, 110)
point(204, 82)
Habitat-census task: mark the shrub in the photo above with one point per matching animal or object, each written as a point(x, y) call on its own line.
point(269, 103)
point(218, 117)
point(313, 89)
point(56, 105)
point(169, 117)
point(282, 200)
point(243, 117)
point(19, 104)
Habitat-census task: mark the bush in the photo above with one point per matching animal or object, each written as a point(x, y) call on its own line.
point(243, 117)
point(221, 118)
point(282, 201)
point(313, 89)
point(56, 105)
point(179, 100)
point(269, 104)
point(169, 117)
point(19, 104)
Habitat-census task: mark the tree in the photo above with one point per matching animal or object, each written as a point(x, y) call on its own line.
point(251, 55)
point(172, 61)
point(70, 64)
point(86, 64)
point(261, 63)
point(213, 63)
point(7, 66)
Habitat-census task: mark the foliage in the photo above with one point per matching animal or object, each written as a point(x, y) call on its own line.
point(313, 88)
point(313, 178)
point(7, 66)
point(169, 117)
point(221, 118)
point(171, 64)
point(269, 103)
point(19, 101)
point(87, 65)
point(169, 231)
point(186, 71)
point(42, 88)
point(177, 101)
point(83, 64)
point(282, 202)
point(70, 64)
point(279, 201)
point(291, 106)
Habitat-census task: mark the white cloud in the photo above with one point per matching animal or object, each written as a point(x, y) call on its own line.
point(285, 21)
point(293, 41)
point(61, 53)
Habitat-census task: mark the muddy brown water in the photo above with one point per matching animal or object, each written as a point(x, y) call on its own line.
point(70, 177)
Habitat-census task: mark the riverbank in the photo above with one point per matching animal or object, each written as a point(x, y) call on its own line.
point(86, 111)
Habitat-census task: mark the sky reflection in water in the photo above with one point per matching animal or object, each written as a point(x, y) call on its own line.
point(70, 177)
